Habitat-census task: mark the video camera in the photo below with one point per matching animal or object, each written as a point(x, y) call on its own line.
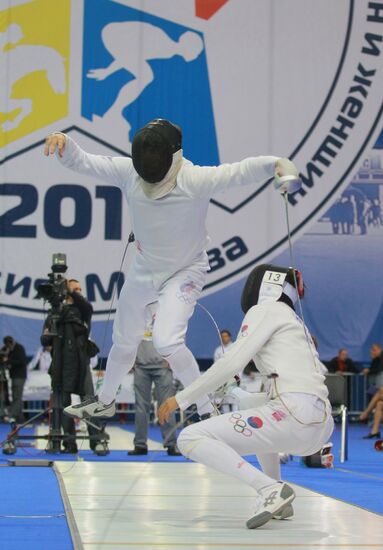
point(55, 289)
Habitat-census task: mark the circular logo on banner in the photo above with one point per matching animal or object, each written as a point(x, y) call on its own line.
point(319, 105)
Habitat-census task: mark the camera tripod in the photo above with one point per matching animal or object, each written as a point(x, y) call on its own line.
point(54, 438)
point(55, 411)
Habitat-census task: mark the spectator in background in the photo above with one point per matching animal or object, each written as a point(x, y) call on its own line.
point(341, 363)
point(251, 380)
point(15, 360)
point(41, 360)
point(4, 390)
point(376, 405)
point(375, 372)
point(151, 368)
point(323, 369)
point(227, 343)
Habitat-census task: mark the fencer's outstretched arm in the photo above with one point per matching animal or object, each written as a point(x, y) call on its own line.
point(205, 181)
point(117, 171)
point(260, 327)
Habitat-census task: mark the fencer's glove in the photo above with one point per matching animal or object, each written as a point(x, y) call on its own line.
point(286, 178)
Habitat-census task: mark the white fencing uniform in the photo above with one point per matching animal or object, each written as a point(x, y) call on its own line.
point(171, 262)
point(296, 418)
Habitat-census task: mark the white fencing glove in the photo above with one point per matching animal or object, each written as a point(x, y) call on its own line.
point(287, 178)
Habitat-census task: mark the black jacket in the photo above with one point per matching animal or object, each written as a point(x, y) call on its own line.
point(333, 366)
point(17, 362)
point(70, 359)
point(376, 365)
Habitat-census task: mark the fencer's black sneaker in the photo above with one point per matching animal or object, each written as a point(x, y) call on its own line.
point(138, 451)
point(91, 408)
point(275, 498)
point(173, 451)
point(372, 436)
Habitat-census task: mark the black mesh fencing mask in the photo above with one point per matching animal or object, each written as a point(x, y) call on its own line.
point(153, 147)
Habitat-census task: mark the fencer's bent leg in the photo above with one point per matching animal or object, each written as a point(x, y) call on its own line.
point(217, 444)
point(269, 462)
point(128, 328)
point(177, 299)
point(220, 442)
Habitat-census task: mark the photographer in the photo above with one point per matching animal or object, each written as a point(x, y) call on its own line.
point(70, 369)
point(13, 358)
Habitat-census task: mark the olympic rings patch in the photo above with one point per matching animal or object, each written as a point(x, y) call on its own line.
point(240, 425)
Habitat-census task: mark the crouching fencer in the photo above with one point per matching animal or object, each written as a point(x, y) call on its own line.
point(295, 419)
point(168, 199)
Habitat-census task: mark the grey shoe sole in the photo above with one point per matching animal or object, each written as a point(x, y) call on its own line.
point(258, 520)
point(83, 415)
point(285, 513)
point(67, 413)
point(101, 416)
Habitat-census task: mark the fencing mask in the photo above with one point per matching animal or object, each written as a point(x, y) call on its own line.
point(268, 283)
point(153, 148)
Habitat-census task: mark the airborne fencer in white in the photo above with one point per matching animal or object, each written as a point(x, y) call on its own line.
point(295, 417)
point(168, 199)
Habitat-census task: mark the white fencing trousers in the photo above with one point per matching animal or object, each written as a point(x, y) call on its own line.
point(269, 462)
point(222, 441)
point(176, 302)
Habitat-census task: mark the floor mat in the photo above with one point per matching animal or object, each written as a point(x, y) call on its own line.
point(32, 513)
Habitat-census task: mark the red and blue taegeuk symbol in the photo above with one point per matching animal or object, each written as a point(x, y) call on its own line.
point(255, 422)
